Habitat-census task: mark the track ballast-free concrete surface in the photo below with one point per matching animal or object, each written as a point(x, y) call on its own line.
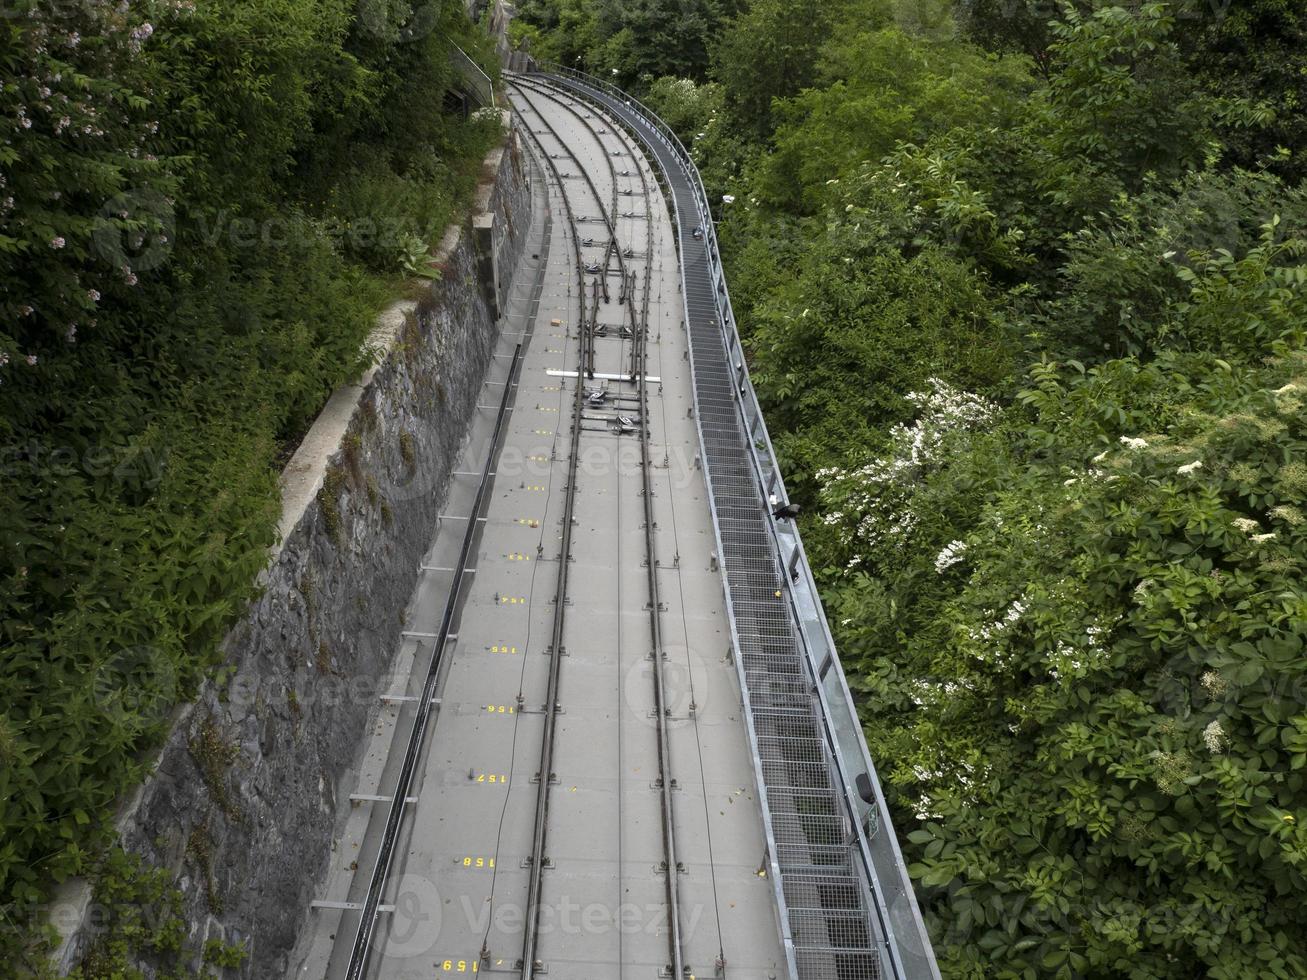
point(457, 895)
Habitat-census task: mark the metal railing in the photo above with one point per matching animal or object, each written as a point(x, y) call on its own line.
point(864, 828)
point(479, 85)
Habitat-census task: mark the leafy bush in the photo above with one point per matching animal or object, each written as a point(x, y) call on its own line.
point(1100, 726)
point(1072, 618)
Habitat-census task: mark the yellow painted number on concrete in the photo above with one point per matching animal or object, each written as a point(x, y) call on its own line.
point(516, 556)
point(540, 489)
point(512, 600)
point(460, 966)
point(542, 432)
point(500, 709)
point(528, 522)
point(491, 777)
point(501, 648)
point(478, 862)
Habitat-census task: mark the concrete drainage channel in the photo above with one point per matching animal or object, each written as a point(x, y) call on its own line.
point(360, 896)
point(255, 795)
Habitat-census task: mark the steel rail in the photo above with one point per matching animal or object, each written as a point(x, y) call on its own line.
point(362, 946)
point(609, 218)
point(639, 341)
point(640, 337)
point(535, 882)
point(554, 94)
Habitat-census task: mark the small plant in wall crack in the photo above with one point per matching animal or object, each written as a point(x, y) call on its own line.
point(214, 755)
point(199, 847)
point(411, 339)
point(416, 257)
point(407, 449)
point(323, 660)
point(224, 955)
point(329, 496)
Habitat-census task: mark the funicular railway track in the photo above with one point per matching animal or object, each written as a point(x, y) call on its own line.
point(639, 376)
point(847, 909)
point(586, 756)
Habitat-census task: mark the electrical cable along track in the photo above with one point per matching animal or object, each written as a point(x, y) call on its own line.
point(638, 375)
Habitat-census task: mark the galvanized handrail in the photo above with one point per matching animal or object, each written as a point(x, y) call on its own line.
point(475, 76)
point(900, 917)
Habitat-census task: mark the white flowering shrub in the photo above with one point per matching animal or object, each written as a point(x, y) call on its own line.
point(871, 506)
point(1097, 666)
point(81, 172)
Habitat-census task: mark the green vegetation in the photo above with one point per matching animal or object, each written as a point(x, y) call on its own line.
point(203, 205)
point(1024, 293)
point(636, 38)
point(138, 916)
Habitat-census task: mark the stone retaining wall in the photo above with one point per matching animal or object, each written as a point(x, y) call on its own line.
point(246, 792)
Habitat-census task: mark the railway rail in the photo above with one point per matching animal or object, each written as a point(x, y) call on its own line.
point(586, 338)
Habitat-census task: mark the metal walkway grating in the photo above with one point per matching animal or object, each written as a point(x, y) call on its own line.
point(838, 964)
